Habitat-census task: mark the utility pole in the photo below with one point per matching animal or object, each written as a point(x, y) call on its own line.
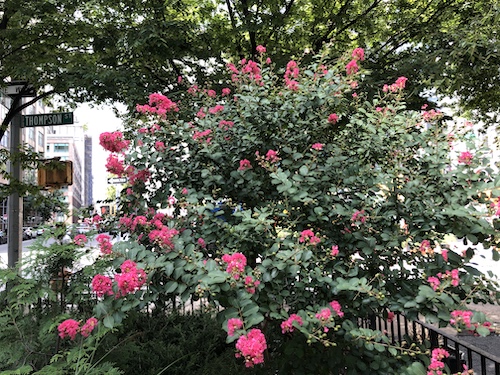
point(15, 203)
point(16, 90)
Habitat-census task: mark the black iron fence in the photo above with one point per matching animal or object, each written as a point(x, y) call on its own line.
point(401, 330)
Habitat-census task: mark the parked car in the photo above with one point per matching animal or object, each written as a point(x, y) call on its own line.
point(28, 233)
point(3, 237)
point(39, 231)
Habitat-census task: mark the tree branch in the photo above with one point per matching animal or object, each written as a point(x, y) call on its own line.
point(239, 49)
point(11, 113)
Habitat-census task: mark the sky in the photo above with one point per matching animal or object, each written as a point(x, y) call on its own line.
point(98, 120)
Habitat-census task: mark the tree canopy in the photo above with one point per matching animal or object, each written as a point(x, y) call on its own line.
point(106, 51)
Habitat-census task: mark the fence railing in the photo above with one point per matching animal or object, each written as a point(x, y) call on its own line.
point(401, 329)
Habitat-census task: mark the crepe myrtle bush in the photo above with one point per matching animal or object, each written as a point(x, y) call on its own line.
point(296, 207)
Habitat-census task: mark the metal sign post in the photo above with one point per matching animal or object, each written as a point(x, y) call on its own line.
point(17, 90)
point(15, 203)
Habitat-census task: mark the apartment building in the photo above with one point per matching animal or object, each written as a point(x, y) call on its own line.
point(33, 138)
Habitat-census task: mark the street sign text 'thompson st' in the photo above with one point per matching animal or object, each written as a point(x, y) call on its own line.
point(47, 119)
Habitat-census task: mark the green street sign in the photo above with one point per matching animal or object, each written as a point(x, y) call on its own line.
point(47, 119)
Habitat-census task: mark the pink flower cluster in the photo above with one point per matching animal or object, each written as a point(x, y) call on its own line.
point(333, 118)
point(251, 284)
point(396, 86)
point(431, 114)
point(200, 135)
point(214, 110)
point(158, 104)
point(131, 278)
point(251, 347)
point(272, 156)
point(291, 74)
point(335, 251)
point(102, 285)
point(70, 328)
point(80, 239)
point(225, 124)
point(113, 142)
point(465, 158)
point(453, 275)
point(233, 324)
point(308, 236)
point(437, 365)
point(104, 241)
point(358, 216)
point(325, 315)
point(163, 236)
point(461, 318)
point(128, 281)
point(318, 146)
point(114, 165)
point(235, 264)
point(287, 325)
point(244, 165)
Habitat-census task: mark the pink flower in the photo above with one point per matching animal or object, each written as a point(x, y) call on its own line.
point(131, 278)
point(244, 165)
point(251, 284)
point(390, 316)
point(103, 237)
point(335, 305)
point(211, 93)
point(80, 239)
point(184, 191)
point(333, 118)
point(235, 264)
point(113, 142)
point(437, 366)
point(352, 67)
point(444, 254)
point(214, 110)
point(261, 49)
point(268, 61)
point(358, 54)
point(307, 235)
point(202, 243)
point(163, 237)
point(159, 146)
point(358, 216)
point(324, 315)
point(233, 324)
point(226, 91)
point(317, 146)
point(68, 328)
point(434, 281)
point(114, 165)
point(465, 158)
point(88, 327)
point(102, 285)
point(272, 156)
point(287, 325)
point(335, 251)
point(461, 318)
point(251, 347)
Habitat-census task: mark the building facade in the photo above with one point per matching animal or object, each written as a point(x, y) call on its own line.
point(32, 138)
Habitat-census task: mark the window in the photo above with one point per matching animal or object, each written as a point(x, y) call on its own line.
point(31, 133)
point(40, 139)
point(61, 147)
point(6, 139)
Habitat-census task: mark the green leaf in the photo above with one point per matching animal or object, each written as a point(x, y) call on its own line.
point(109, 321)
point(171, 286)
